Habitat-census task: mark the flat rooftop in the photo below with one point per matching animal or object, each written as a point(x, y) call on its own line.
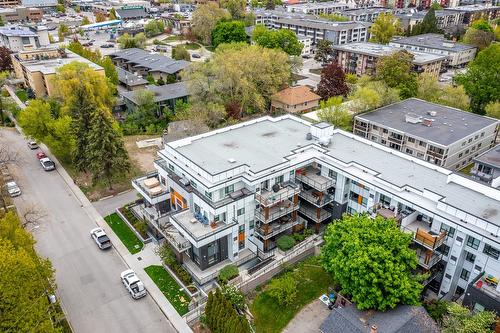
point(264, 143)
point(323, 24)
point(449, 124)
point(490, 157)
point(379, 50)
point(319, 5)
point(50, 66)
point(435, 41)
point(17, 32)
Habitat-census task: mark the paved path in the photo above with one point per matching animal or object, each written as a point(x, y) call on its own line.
point(108, 205)
point(309, 319)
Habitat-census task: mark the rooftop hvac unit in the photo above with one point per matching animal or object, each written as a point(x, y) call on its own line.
point(432, 113)
point(184, 181)
point(413, 118)
point(324, 141)
point(427, 122)
point(231, 160)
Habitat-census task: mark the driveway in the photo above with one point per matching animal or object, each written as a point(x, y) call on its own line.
point(309, 319)
point(88, 280)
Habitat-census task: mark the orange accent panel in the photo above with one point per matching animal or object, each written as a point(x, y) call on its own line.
point(178, 198)
point(360, 199)
point(241, 237)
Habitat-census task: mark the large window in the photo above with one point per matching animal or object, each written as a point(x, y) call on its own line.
point(229, 189)
point(470, 257)
point(213, 253)
point(240, 211)
point(472, 242)
point(465, 274)
point(491, 251)
point(450, 231)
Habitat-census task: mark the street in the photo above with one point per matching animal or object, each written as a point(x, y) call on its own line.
point(87, 278)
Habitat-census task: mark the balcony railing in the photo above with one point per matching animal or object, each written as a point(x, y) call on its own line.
point(175, 238)
point(427, 258)
point(318, 199)
point(267, 215)
point(313, 178)
point(425, 237)
point(196, 228)
point(318, 215)
point(270, 198)
point(150, 186)
point(275, 228)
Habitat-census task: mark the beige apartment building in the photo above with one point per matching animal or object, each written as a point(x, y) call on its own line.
point(38, 67)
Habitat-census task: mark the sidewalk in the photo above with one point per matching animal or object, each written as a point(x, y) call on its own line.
point(136, 262)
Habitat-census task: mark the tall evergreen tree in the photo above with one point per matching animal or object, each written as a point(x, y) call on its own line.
point(107, 154)
point(428, 25)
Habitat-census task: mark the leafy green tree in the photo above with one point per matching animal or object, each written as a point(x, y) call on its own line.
point(127, 42)
point(396, 71)
point(334, 17)
point(493, 110)
point(205, 18)
point(235, 7)
point(109, 69)
point(461, 320)
point(436, 6)
point(372, 261)
point(430, 90)
point(154, 28)
point(85, 20)
point(334, 112)
point(478, 38)
point(324, 51)
point(112, 14)
point(428, 25)
point(62, 31)
point(481, 79)
point(283, 39)
point(384, 28)
point(96, 57)
point(228, 32)
point(283, 289)
point(332, 82)
point(2, 23)
point(179, 52)
point(144, 113)
point(482, 25)
point(60, 8)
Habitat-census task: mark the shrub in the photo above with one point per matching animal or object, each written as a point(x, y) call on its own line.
point(283, 289)
point(227, 273)
point(167, 256)
point(437, 309)
point(221, 316)
point(285, 242)
point(298, 237)
point(234, 296)
point(142, 228)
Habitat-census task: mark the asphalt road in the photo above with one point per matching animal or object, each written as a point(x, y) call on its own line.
point(88, 279)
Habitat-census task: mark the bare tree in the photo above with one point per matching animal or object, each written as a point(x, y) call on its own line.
point(32, 215)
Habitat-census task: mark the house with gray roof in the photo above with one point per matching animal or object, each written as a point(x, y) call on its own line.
point(458, 54)
point(436, 133)
point(402, 319)
point(164, 96)
point(143, 63)
point(129, 80)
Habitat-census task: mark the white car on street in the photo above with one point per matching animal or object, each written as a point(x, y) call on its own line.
point(99, 236)
point(13, 189)
point(47, 164)
point(133, 284)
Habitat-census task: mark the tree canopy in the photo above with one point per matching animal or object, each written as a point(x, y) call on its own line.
point(461, 320)
point(332, 82)
point(228, 32)
point(179, 52)
point(478, 38)
point(481, 81)
point(235, 7)
point(335, 113)
point(369, 95)
point(396, 71)
point(283, 39)
point(204, 19)
point(154, 28)
point(384, 28)
point(372, 262)
point(428, 24)
point(96, 57)
point(324, 51)
point(127, 41)
point(430, 90)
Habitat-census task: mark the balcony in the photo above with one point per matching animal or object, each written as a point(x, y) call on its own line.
point(268, 214)
point(318, 215)
point(197, 227)
point(424, 236)
point(269, 230)
point(318, 199)
point(427, 258)
point(150, 188)
point(485, 177)
point(270, 198)
point(312, 177)
point(175, 239)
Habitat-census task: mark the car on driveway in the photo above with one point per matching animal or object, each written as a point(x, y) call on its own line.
point(133, 284)
point(32, 144)
point(196, 56)
point(41, 155)
point(99, 236)
point(13, 189)
point(47, 164)
point(107, 46)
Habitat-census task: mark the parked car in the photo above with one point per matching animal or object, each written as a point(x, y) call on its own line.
point(107, 46)
point(32, 144)
point(100, 237)
point(133, 284)
point(47, 164)
point(196, 55)
point(13, 189)
point(41, 155)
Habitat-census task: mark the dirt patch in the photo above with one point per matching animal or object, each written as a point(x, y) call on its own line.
point(142, 158)
point(309, 318)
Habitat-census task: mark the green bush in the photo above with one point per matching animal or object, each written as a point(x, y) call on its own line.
point(139, 225)
point(167, 256)
point(285, 242)
point(283, 289)
point(221, 316)
point(234, 296)
point(227, 273)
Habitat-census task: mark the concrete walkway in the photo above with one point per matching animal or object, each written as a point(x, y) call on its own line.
point(107, 206)
point(137, 262)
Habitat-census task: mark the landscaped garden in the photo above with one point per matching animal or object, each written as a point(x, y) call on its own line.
point(122, 230)
point(169, 287)
point(139, 225)
point(22, 94)
point(192, 46)
point(277, 302)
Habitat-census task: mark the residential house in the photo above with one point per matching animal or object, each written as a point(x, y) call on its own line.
point(226, 196)
point(487, 167)
point(439, 134)
point(129, 80)
point(299, 99)
point(164, 96)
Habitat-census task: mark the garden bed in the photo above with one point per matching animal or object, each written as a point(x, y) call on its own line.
point(170, 288)
point(138, 226)
point(312, 281)
point(123, 231)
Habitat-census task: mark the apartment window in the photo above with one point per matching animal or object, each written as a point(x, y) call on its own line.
point(412, 140)
point(470, 257)
point(465, 274)
point(453, 260)
point(491, 251)
point(241, 228)
point(482, 134)
point(292, 173)
point(240, 211)
point(460, 155)
point(478, 268)
point(422, 143)
point(409, 151)
point(208, 195)
point(444, 249)
point(477, 136)
point(384, 131)
point(383, 141)
point(229, 189)
point(479, 145)
point(170, 166)
point(448, 276)
point(375, 127)
point(193, 184)
point(450, 231)
point(472, 242)
point(470, 140)
point(251, 224)
point(279, 179)
point(374, 138)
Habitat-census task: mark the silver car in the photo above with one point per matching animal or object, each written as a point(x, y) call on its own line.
point(13, 189)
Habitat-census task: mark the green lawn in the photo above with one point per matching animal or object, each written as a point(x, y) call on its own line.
point(466, 169)
point(313, 281)
point(22, 94)
point(169, 287)
point(122, 230)
point(192, 46)
point(172, 38)
point(316, 70)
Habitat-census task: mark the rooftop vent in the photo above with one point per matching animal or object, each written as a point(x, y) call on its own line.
point(309, 136)
point(427, 122)
point(231, 160)
point(324, 141)
point(413, 118)
point(432, 113)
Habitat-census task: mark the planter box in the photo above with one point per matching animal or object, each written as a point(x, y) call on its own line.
point(149, 239)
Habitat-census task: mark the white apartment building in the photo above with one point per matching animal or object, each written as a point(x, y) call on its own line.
point(221, 196)
point(306, 45)
point(441, 135)
point(23, 38)
point(317, 8)
point(458, 54)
